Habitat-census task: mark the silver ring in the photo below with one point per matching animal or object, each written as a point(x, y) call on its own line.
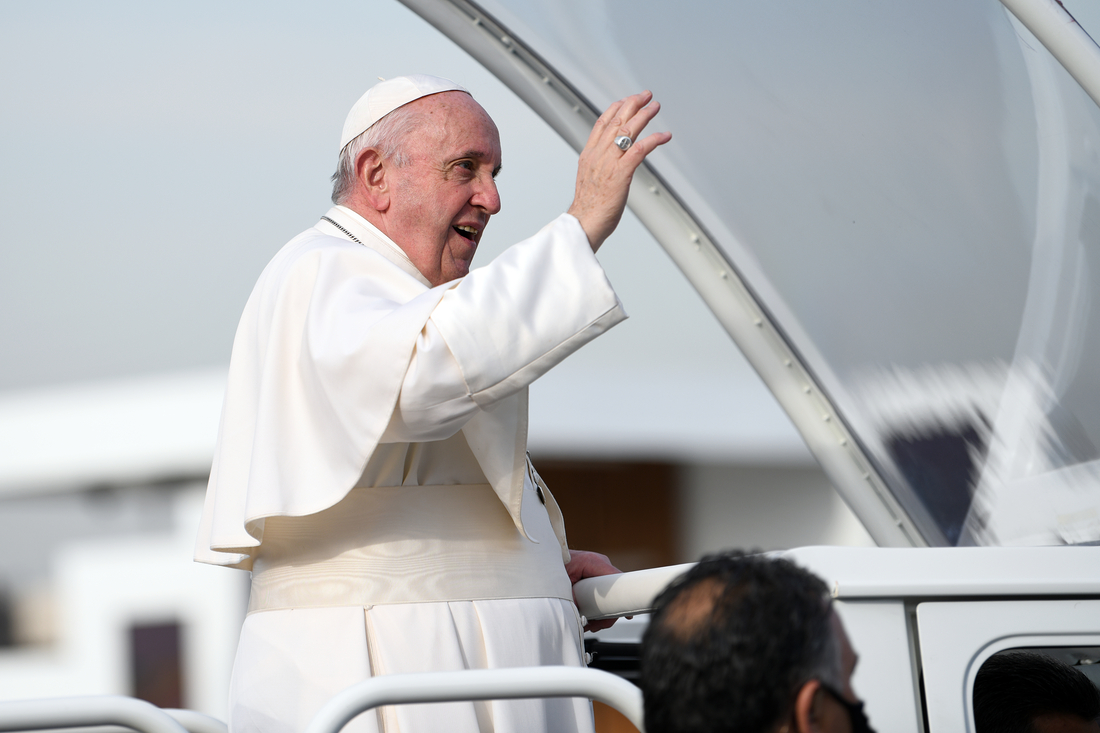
point(623, 142)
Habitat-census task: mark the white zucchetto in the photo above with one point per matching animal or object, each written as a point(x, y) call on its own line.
point(386, 96)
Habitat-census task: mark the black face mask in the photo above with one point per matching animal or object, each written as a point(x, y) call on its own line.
point(858, 718)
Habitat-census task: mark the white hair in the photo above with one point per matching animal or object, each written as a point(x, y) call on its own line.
point(387, 136)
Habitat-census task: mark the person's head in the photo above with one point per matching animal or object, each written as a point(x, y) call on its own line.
point(1027, 692)
point(424, 174)
point(750, 644)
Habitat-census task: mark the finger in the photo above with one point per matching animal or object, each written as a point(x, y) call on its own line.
point(641, 118)
point(599, 625)
point(632, 118)
point(633, 125)
point(604, 120)
point(615, 119)
point(647, 145)
point(636, 153)
point(630, 106)
point(626, 107)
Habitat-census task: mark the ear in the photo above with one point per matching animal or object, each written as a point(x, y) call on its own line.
point(373, 184)
point(808, 708)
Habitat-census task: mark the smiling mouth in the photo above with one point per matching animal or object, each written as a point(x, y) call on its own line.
point(467, 232)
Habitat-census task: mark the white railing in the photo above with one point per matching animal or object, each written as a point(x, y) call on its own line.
point(1064, 38)
point(480, 684)
point(625, 594)
point(98, 710)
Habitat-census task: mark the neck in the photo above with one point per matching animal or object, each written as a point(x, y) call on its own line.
point(365, 210)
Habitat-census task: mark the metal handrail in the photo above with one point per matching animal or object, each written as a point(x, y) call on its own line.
point(1066, 40)
point(99, 710)
point(624, 594)
point(80, 712)
point(196, 722)
point(479, 684)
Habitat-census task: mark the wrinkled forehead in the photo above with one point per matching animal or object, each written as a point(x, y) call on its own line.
point(456, 120)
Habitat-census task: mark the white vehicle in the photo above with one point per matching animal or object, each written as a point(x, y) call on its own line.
point(922, 620)
point(894, 210)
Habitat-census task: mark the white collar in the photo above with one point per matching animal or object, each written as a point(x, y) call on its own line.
point(340, 221)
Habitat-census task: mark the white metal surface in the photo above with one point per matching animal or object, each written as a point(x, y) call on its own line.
point(885, 676)
point(881, 572)
point(957, 637)
point(625, 594)
point(196, 722)
point(1064, 38)
point(877, 572)
point(480, 684)
point(872, 585)
point(72, 712)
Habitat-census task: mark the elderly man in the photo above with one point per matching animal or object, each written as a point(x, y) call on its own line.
point(748, 644)
point(371, 467)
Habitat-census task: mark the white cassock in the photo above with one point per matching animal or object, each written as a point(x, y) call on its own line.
point(371, 472)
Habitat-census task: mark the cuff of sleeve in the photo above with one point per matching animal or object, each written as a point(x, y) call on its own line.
point(510, 322)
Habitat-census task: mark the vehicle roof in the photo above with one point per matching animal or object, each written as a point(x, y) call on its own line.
point(934, 572)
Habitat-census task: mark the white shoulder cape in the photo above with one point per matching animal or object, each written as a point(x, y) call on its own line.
point(323, 347)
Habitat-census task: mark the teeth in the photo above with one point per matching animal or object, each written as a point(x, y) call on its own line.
point(470, 230)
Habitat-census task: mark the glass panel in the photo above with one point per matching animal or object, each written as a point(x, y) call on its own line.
point(913, 191)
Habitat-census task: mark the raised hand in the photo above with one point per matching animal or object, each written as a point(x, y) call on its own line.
point(605, 170)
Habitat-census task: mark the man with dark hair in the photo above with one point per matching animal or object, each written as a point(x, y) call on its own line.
point(1019, 691)
point(748, 643)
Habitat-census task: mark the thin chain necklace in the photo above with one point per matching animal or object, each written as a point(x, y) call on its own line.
point(345, 231)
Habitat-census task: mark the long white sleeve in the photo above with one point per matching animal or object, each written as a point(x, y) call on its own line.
point(502, 327)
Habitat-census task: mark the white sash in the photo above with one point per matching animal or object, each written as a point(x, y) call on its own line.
point(408, 544)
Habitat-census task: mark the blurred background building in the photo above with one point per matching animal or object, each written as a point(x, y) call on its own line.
point(156, 156)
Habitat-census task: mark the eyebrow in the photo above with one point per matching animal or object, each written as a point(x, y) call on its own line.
point(480, 155)
point(474, 153)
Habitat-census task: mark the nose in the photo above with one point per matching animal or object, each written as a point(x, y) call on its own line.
point(486, 197)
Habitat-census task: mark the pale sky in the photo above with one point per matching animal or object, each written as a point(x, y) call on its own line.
point(155, 156)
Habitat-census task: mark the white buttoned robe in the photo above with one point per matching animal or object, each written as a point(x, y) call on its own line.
point(371, 472)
